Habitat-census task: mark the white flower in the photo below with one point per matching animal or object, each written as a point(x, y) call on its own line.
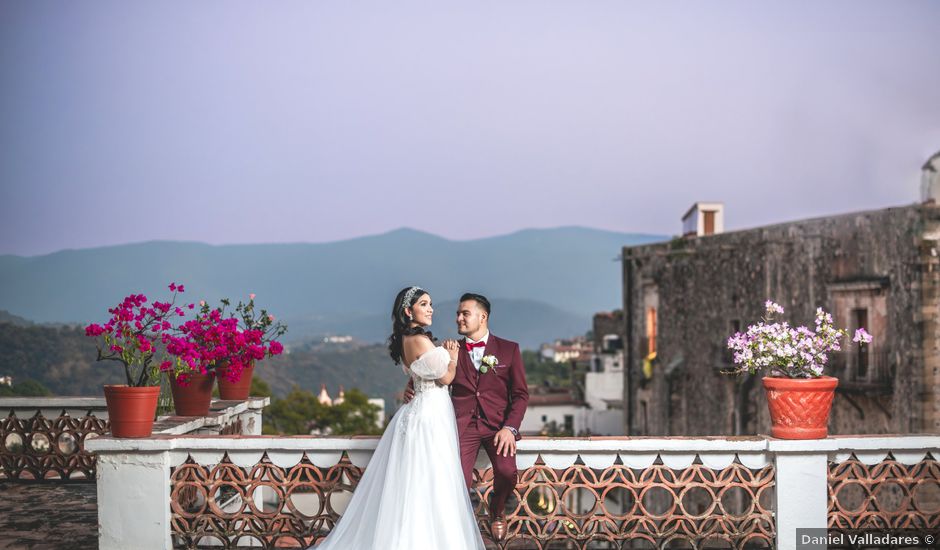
point(862, 336)
point(489, 360)
point(796, 352)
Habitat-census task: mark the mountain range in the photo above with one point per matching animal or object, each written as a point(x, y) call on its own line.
point(544, 283)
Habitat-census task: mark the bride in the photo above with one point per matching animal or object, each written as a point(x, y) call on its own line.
point(412, 495)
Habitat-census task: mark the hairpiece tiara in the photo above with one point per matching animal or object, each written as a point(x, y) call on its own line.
point(409, 296)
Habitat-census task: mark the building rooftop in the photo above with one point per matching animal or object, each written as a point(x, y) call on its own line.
point(48, 515)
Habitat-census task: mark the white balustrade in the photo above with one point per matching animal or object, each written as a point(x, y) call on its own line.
point(133, 488)
point(133, 474)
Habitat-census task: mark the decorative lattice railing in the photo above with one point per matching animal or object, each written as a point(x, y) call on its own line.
point(45, 437)
point(897, 490)
point(739, 493)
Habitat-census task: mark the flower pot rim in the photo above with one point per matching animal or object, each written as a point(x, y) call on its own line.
point(175, 376)
point(224, 366)
point(803, 384)
point(126, 387)
point(823, 377)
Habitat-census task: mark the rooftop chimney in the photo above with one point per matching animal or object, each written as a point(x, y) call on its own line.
point(704, 218)
point(930, 180)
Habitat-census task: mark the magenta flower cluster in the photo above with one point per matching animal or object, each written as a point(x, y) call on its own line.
point(785, 351)
point(129, 337)
point(211, 341)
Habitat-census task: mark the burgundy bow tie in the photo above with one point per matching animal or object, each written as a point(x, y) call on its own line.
point(475, 345)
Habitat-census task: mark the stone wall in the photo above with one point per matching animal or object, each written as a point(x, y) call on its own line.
point(605, 323)
point(703, 289)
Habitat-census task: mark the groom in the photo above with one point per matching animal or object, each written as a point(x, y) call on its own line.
point(490, 396)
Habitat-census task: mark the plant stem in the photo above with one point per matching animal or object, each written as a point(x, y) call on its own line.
point(143, 372)
point(127, 372)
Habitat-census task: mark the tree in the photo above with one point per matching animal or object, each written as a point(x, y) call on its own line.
point(259, 388)
point(26, 388)
point(540, 371)
point(354, 416)
point(300, 413)
point(293, 414)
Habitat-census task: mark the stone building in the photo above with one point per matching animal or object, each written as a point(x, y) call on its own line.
point(878, 269)
point(606, 331)
point(603, 377)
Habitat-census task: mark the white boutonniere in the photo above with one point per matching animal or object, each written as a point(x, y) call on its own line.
point(488, 361)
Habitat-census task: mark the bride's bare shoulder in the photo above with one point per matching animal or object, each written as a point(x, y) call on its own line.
point(417, 345)
point(418, 340)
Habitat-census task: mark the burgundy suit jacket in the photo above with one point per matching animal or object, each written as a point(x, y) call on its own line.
point(499, 396)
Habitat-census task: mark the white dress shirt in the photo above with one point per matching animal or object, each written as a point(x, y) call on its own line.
point(476, 354)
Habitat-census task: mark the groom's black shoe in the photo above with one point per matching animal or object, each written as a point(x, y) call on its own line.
point(498, 528)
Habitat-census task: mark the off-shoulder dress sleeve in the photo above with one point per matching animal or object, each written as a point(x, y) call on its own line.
point(432, 364)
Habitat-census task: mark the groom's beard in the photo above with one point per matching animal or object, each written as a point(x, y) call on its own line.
point(466, 332)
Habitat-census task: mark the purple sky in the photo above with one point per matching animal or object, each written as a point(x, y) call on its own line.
point(230, 122)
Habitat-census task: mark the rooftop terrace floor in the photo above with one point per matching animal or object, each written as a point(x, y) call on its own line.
point(48, 515)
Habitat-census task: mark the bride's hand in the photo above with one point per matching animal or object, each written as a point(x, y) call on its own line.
point(451, 347)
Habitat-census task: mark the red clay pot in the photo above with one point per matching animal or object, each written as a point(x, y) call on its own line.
point(131, 410)
point(799, 407)
point(238, 390)
point(193, 398)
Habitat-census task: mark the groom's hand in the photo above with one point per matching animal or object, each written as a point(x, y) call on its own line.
point(409, 395)
point(505, 442)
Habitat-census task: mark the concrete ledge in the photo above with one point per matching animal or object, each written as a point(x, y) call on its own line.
point(855, 443)
point(99, 402)
point(159, 443)
point(169, 442)
point(36, 403)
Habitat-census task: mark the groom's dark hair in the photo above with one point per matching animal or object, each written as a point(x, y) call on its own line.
point(478, 298)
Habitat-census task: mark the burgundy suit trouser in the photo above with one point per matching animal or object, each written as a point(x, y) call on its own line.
point(477, 434)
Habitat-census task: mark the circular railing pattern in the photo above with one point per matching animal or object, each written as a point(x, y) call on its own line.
point(887, 494)
point(573, 507)
point(47, 448)
point(623, 507)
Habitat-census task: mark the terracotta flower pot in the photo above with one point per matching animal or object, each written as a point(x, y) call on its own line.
point(238, 390)
point(131, 410)
point(799, 407)
point(194, 397)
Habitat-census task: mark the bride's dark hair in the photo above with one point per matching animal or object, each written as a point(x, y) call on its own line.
point(400, 322)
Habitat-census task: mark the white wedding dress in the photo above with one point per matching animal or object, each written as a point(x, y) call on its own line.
point(412, 495)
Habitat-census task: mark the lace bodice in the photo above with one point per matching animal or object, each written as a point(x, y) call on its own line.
point(429, 367)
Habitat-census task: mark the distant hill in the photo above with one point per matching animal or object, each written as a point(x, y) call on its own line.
point(63, 360)
point(7, 317)
point(525, 321)
point(544, 283)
